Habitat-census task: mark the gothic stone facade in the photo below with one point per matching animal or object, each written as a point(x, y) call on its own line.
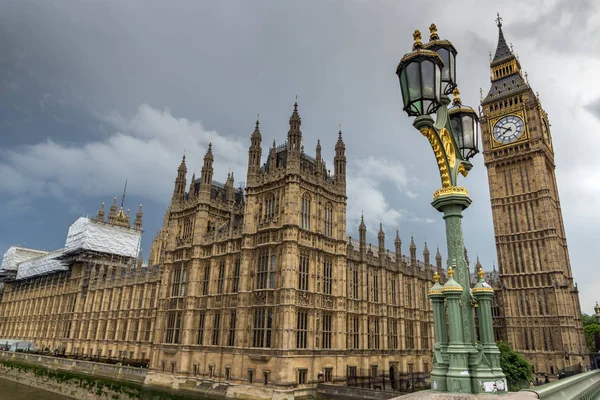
point(265, 289)
point(540, 313)
point(102, 305)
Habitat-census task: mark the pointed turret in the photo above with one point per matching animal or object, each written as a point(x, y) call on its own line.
point(339, 160)
point(505, 71)
point(179, 190)
point(229, 190)
point(362, 233)
point(100, 216)
point(273, 157)
point(255, 151)
point(477, 264)
point(466, 255)
point(112, 212)
point(426, 255)
point(294, 134)
point(398, 245)
point(438, 261)
point(413, 252)
point(319, 159)
point(192, 189)
point(206, 174)
point(138, 220)
point(381, 239)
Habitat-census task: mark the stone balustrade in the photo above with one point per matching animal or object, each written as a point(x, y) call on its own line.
point(118, 372)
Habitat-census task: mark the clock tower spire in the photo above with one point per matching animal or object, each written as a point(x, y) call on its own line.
point(540, 301)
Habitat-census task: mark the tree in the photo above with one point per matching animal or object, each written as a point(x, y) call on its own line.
point(590, 331)
point(588, 320)
point(514, 365)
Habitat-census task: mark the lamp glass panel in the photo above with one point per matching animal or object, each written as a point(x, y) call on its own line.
point(413, 80)
point(428, 79)
point(452, 64)
point(404, 87)
point(438, 83)
point(468, 123)
point(445, 56)
point(456, 124)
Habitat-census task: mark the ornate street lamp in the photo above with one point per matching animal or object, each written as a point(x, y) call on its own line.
point(465, 126)
point(427, 75)
point(420, 74)
point(447, 53)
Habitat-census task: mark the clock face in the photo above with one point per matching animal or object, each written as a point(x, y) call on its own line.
point(508, 129)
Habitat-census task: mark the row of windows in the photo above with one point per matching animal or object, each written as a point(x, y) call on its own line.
point(327, 216)
point(262, 333)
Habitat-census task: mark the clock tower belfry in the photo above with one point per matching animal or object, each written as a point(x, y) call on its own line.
point(541, 312)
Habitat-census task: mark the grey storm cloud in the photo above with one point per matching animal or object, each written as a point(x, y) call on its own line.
point(94, 92)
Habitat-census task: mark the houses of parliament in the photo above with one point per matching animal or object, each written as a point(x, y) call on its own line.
point(263, 287)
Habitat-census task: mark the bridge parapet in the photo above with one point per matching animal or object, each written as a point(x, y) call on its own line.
point(585, 386)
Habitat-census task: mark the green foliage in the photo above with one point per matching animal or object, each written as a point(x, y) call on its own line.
point(514, 365)
point(588, 320)
point(590, 331)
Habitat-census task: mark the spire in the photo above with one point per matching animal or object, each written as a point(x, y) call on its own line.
point(502, 50)
point(206, 174)
point(179, 190)
point(182, 166)
point(209, 153)
point(255, 151)
point(339, 160)
point(112, 212)
point(438, 261)
point(318, 150)
point(138, 220)
point(294, 134)
point(100, 216)
point(381, 238)
point(124, 192)
point(256, 133)
point(426, 254)
point(477, 264)
point(413, 252)
point(398, 245)
point(362, 233)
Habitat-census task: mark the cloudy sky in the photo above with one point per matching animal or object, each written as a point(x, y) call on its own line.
point(96, 92)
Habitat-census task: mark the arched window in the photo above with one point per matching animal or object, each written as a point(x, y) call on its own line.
point(328, 228)
point(178, 280)
point(269, 207)
point(187, 228)
point(305, 216)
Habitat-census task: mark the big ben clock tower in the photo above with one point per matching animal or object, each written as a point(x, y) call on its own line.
point(541, 312)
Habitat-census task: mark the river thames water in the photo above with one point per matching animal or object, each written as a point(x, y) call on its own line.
point(10, 390)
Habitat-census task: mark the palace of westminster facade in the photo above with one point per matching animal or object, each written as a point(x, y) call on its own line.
point(263, 287)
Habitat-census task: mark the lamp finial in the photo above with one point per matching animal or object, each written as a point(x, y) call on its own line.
point(417, 37)
point(436, 277)
point(456, 94)
point(433, 32)
point(450, 272)
point(480, 273)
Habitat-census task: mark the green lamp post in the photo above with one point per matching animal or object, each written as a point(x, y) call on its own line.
point(427, 76)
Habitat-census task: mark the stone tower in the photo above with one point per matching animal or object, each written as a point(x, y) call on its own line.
point(540, 301)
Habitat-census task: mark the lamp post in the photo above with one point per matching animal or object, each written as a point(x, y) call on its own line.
point(427, 76)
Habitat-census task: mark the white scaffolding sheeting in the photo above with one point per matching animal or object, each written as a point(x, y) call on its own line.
point(15, 255)
point(88, 234)
point(51, 262)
